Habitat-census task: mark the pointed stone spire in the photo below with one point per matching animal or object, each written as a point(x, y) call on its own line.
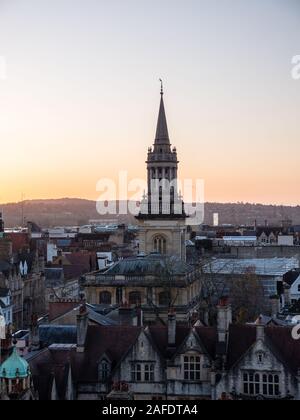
point(162, 134)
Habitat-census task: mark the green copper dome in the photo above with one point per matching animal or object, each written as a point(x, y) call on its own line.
point(14, 367)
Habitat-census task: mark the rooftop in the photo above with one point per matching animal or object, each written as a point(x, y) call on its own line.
point(152, 264)
point(261, 266)
point(14, 367)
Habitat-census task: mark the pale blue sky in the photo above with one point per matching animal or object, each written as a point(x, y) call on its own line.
point(81, 96)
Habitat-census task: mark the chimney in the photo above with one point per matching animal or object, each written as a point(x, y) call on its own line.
point(260, 330)
point(275, 306)
point(82, 326)
point(224, 319)
point(171, 328)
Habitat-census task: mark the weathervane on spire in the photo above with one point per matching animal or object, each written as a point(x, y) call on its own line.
point(161, 87)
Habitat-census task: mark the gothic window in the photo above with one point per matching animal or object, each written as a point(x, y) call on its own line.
point(105, 298)
point(192, 368)
point(261, 384)
point(135, 298)
point(160, 245)
point(164, 299)
point(104, 370)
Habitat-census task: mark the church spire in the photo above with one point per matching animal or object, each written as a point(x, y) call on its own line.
point(162, 134)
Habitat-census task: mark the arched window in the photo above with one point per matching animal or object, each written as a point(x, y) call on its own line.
point(103, 370)
point(135, 298)
point(105, 298)
point(164, 299)
point(160, 245)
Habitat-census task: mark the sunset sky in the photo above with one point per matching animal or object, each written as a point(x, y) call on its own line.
point(80, 97)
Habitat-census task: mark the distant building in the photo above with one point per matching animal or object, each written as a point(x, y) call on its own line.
point(286, 240)
point(6, 307)
point(155, 282)
point(270, 271)
point(268, 235)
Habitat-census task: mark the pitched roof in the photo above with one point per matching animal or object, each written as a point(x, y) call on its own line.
point(242, 338)
point(49, 365)
point(159, 334)
point(291, 276)
point(115, 341)
point(287, 348)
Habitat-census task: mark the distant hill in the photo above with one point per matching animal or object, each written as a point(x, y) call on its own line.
point(70, 212)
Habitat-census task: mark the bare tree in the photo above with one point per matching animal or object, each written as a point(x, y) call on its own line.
point(247, 296)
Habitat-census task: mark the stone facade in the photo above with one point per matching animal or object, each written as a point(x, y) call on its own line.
point(173, 362)
point(154, 282)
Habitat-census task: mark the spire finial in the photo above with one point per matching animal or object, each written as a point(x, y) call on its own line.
point(161, 87)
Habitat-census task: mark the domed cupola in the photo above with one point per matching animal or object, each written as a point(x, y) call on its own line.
point(14, 367)
point(14, 376)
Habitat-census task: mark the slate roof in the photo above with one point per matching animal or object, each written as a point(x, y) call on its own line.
point(58, 334)
point(4, 292)
point(4, 266)
point(152, 264)
point(115, 342)
point(206, 335)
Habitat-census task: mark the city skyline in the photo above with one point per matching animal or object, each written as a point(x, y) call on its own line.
point(81, 99)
